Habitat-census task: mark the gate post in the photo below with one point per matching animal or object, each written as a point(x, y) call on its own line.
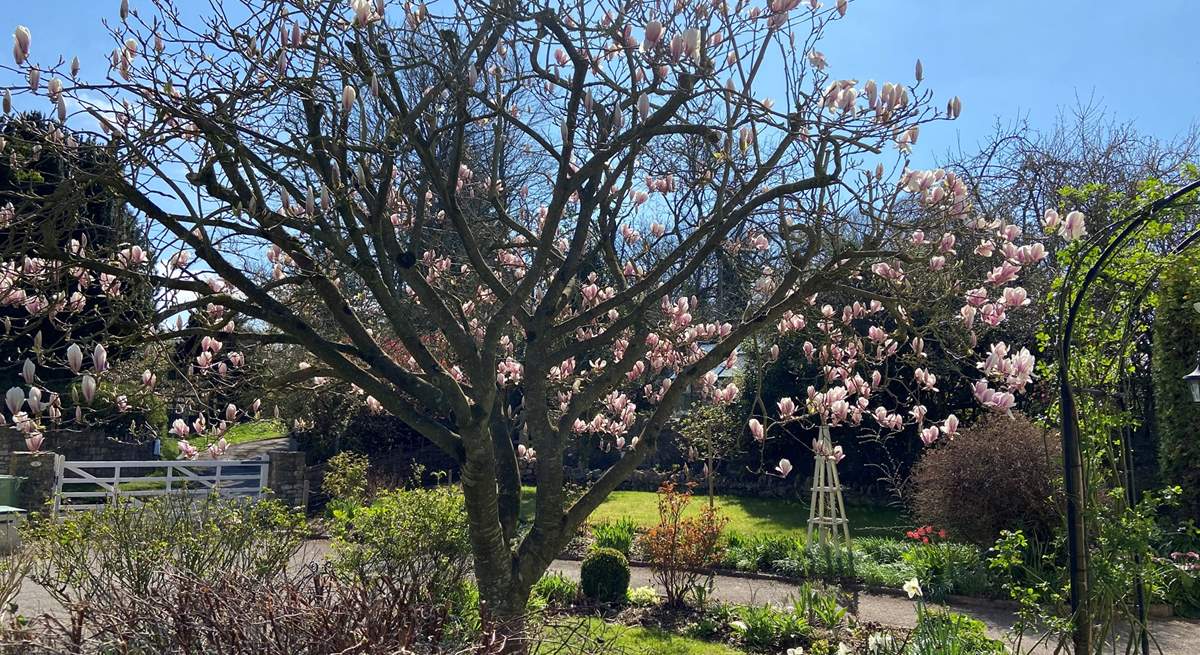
point(41, 479)
point(287, 477)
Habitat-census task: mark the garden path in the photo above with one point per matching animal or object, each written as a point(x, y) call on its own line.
point(254, 449)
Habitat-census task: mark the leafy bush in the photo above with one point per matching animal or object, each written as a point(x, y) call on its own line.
point(999, 474)
point(768, 629)
point(643, 597)
point(346, 477)
point(941, 632)
point(604, 575)
point(681, 550)
point(883, 550)
point(129, 548)
point(555, 590)
point(819, 607)
point(617, 535)
point(416, 535)
point(760, 552)
point(1176, 339)
point(948, 568)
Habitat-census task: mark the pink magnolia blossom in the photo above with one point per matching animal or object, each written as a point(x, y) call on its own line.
point(21, 41)
point(756, 429)
point(950, 426)
point(187, 450)
point(929, 435)
point(75, 358)
point(1051, 220)
point(100, 359)
point(88, 387)
point(1074, 227)
point(783, 468)
point(14, 399)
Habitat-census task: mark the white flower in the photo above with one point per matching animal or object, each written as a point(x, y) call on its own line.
point(879, 641)
point(738, 626)
point(912, 588)
point(843, 649)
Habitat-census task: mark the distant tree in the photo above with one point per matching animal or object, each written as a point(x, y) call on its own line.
point(59, 187)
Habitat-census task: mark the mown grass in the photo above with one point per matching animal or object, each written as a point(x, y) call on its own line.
point(750, 516)
point(589, 634)
point(240, 433)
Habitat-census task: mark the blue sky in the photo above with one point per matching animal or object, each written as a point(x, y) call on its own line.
point(1006, 59)
point(1030, 58)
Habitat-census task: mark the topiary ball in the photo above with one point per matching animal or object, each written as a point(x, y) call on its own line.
point(604, 576)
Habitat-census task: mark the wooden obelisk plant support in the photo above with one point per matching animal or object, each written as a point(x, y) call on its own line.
point(826, 509)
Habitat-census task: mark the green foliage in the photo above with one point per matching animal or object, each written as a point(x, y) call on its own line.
point(1035, 575)
point(412, 535)
point(555, 590)
point(948, 568)
point(617, 534)
point(134, 548)
point(593, 636)
point(819, 607)
point(346, 476)
point(713, 433)
point(941, 632)
point(643, 597)
point(760, 552)
point(604, 575)
point(766, 629)
point(1176, 342)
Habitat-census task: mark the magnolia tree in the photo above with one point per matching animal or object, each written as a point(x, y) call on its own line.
point(499, 220)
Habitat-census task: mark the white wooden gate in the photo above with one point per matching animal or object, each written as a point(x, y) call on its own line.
point(92, 485)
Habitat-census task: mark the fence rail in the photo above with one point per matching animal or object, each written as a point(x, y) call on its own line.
point(93, 485)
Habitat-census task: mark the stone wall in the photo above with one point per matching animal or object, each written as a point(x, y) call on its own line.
point(76, 445)
point(38, 486)
point(287, 477)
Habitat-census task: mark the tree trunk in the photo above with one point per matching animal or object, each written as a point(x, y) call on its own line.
point(505, 624)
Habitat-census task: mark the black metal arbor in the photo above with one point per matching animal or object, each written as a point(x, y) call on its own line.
point(1108, 242)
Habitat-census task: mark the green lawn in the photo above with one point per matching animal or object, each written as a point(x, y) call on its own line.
point(751, 516)
point(240, 433)
point(577, 635)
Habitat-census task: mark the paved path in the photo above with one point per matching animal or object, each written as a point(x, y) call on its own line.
point(1174, 636)
point(253, 449)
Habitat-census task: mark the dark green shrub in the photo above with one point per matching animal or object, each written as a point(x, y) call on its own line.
point(1176, 340)
point(617, 535)
point(604, 575)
